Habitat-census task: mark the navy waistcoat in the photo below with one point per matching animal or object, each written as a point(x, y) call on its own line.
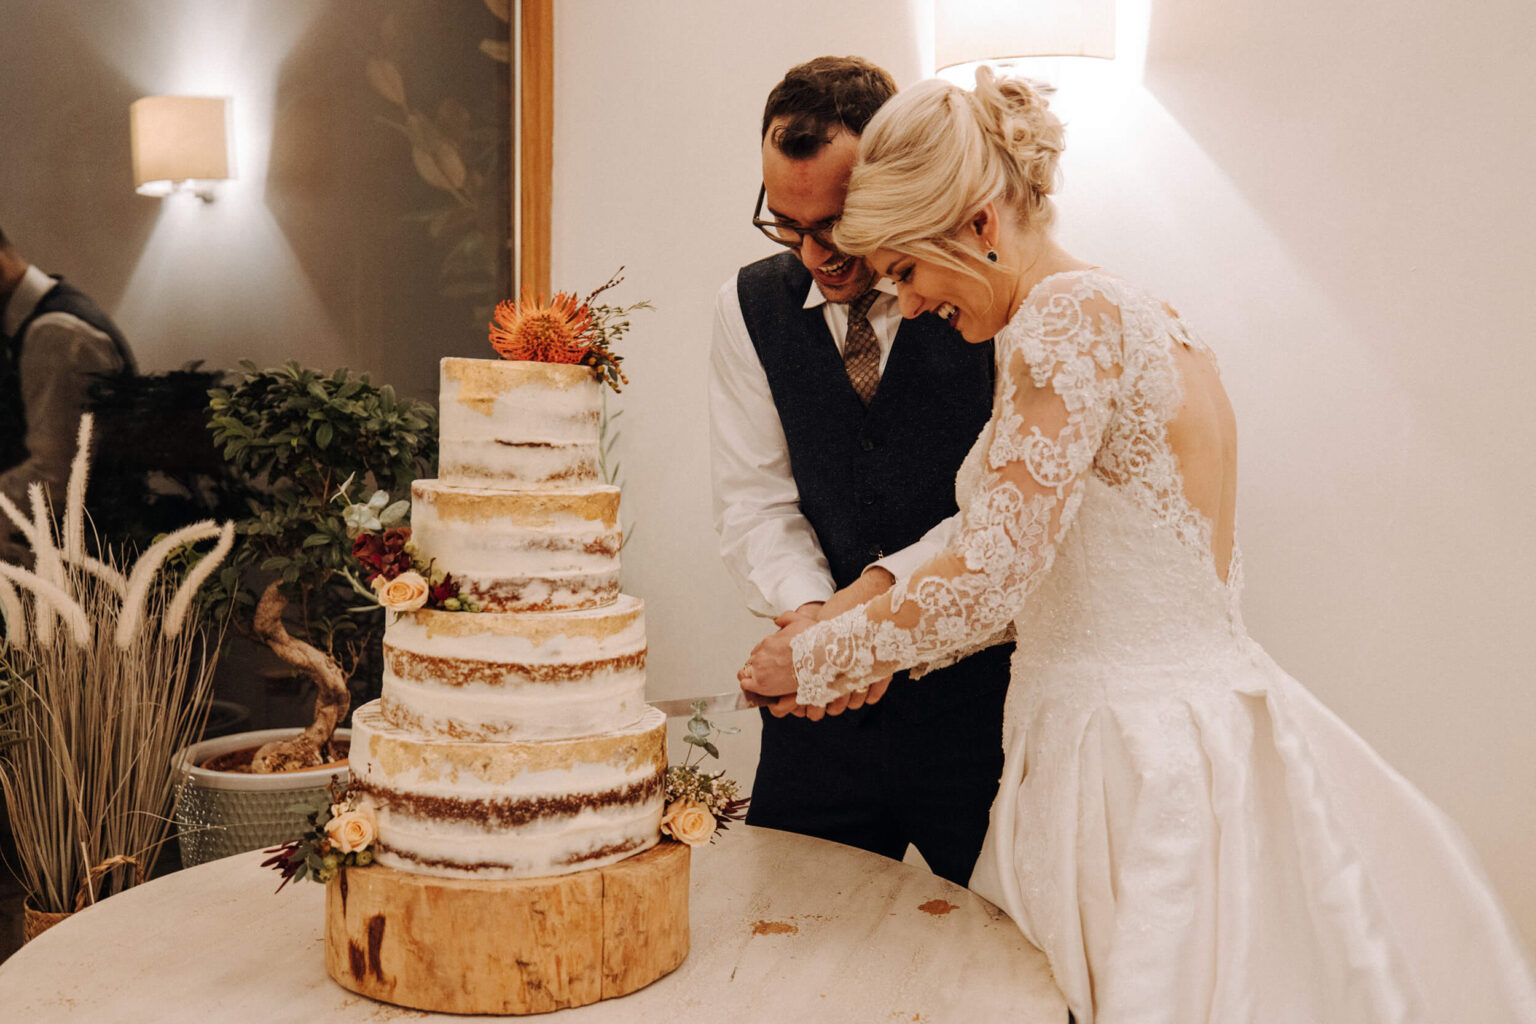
point(61, 298)
point(873, 480)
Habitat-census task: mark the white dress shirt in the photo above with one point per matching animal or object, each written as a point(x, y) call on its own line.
point(768, 546)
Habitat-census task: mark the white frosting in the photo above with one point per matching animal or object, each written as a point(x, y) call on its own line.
point(510, 676)
point(515, 742)
point(547, 784)
point(517, 854)
point(528, 550)
point(512, 425)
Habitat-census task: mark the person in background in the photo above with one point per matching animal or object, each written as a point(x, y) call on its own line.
point(836, 430)
point(53, 338)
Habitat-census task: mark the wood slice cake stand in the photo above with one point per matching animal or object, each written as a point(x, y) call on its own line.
point(508, 946)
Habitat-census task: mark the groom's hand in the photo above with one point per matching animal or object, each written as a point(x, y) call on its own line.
point(858, 698)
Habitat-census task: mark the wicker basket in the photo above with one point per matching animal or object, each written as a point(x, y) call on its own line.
point(35, 922)
point(223, 813)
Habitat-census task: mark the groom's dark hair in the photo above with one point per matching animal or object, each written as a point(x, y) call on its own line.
point(822, 96)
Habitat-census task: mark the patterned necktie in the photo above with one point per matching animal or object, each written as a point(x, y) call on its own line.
point(861, 350)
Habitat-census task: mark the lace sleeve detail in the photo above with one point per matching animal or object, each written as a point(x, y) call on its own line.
point(1004, 636)
point(1059, 362)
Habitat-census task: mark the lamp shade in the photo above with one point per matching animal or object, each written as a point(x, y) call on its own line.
point(179, 139)
point(967, 31)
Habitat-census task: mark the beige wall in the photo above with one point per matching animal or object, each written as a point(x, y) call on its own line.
point(1340, 203)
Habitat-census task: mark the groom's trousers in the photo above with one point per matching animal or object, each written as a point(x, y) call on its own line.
point(920, 767)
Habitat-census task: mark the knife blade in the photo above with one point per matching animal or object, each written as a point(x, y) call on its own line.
point(714, 703)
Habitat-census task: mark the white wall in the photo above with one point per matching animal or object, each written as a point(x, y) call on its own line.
point(1335, 194)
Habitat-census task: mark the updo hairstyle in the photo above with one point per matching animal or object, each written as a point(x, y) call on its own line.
point(935, 154)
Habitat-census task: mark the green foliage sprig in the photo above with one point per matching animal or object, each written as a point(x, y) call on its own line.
point(608, 325)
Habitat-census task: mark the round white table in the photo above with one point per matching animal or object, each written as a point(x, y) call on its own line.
point(783, 928)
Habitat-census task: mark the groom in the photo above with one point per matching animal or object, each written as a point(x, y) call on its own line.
point(836, 432)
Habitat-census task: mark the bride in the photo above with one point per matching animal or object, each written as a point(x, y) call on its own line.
point(1183, 829)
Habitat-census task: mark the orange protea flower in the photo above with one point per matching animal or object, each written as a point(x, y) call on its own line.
point(559, 331)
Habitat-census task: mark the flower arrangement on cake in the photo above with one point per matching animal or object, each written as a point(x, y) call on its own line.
point(700, 804)
point(394, 573)
point(565, 330)
point(340, 835)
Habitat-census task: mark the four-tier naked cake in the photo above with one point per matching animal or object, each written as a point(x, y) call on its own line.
point(516, 773)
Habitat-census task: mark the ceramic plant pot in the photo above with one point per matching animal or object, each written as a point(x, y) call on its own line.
point(220, 813)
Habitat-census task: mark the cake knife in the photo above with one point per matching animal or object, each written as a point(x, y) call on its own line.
point(715, 703)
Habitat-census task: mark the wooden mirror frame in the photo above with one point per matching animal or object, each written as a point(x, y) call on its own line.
point(533, 124)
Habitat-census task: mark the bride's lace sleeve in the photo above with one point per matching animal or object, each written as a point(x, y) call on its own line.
point(1059, 362)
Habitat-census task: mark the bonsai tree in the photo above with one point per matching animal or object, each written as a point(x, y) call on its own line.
point(301, 439)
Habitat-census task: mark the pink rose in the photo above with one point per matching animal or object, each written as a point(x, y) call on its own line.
point(350, 831)
point(688, 821)
point(404, 593)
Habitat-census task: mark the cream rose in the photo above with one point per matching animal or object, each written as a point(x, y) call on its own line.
point(350, 831)
point(688, 821)
point(404, 593)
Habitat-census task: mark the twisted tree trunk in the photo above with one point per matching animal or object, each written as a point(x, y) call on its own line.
point(306, 750)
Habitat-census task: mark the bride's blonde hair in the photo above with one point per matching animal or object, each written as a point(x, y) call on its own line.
point(935, 154)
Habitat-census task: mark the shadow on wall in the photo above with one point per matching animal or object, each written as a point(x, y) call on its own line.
point(391, 261)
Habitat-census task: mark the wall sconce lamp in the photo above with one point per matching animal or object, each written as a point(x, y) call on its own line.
point(977, 31)
point(180, 144)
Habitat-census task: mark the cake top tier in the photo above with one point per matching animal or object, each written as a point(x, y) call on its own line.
point(519, 425)
point(489, 379)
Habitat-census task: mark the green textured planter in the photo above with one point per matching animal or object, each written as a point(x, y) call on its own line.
point(221, 813)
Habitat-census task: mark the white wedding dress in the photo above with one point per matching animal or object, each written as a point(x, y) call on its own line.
point(1183, 829)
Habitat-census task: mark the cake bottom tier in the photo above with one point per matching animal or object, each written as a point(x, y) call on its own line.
point(512, 946)
point(510, 809)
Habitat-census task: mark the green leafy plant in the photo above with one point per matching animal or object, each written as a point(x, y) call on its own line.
point(295, 435)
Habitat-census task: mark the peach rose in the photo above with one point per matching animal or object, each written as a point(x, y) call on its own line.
point(688, 821)
point(350, 831)
point(404, 593)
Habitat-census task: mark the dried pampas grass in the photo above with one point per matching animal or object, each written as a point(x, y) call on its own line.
point(91, 715)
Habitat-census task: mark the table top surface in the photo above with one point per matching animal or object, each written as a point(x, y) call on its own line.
point(782, 926)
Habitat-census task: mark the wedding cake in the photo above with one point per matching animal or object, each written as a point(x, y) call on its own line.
point(512, 745)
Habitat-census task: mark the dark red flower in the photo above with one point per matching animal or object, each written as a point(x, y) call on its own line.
point(368, 548)
point(445, 589)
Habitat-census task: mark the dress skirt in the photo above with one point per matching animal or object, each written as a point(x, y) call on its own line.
point(1216, 845)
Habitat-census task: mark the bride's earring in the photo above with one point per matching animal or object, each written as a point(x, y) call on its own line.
point(992, 255)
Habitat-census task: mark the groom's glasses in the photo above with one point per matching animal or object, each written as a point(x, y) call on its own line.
point(788, 234)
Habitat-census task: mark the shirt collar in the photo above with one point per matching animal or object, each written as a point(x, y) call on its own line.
point(29, 292)
point(814, 298)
